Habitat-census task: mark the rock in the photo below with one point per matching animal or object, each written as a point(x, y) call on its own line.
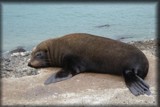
point(122, 38)
point(24, 53)
point(8, 69)
point(18, 49)
point(7, 60)
point(15, 54)
point(20, 54)
point(102, 26)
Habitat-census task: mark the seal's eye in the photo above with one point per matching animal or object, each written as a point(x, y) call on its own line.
point(38, 54)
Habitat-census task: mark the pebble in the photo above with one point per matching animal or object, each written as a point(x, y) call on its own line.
point(8, 60)
point(9, 69)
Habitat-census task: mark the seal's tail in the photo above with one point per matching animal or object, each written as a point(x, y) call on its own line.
point(136, 85)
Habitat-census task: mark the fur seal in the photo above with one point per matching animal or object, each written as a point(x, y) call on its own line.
point(81, 52)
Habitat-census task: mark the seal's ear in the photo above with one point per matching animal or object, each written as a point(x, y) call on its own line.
point(59, 76)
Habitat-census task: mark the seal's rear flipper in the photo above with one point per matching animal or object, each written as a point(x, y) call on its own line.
point(136, 85)
point(59, 76)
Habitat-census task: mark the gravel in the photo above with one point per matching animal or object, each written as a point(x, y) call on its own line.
point(150, 45)
point(15, 65)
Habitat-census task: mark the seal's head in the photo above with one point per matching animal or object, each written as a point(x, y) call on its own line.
point(39, 57)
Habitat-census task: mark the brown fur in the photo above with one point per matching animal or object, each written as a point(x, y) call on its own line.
point(113, 55)
point(82, 52)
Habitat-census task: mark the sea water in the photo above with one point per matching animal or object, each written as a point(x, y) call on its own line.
point(27, 24)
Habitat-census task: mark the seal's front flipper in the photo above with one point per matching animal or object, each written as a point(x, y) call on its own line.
point(136, 85)
point(59, 76)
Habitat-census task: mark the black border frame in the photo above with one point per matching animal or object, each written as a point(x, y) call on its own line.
point(90, 1)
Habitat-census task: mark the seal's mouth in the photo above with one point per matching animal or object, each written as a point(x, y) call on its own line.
point(33, 66)
point(37, 65)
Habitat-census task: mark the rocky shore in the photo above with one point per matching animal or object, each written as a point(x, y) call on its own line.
point(14, 63)
point(149, 45)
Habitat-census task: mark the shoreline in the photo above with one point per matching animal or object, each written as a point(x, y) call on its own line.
point(14, 63)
